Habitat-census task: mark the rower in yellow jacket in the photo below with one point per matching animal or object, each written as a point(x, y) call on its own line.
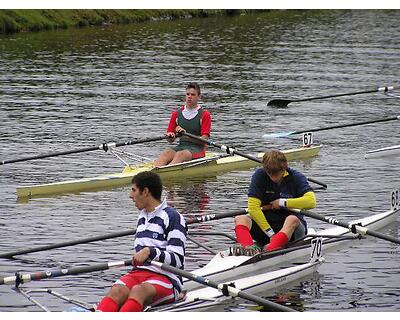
point(273, 188)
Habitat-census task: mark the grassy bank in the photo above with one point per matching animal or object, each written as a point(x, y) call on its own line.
point(12, 21)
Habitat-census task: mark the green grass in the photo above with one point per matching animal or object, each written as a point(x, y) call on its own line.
point(12, 21)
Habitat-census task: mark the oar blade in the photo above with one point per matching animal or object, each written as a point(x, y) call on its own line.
point(279, 134)
point(279, 103)
point(283, 102)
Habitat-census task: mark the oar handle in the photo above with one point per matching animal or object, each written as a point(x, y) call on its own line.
point(229, 150)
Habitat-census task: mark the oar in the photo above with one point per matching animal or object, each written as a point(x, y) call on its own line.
point(103, 146)
point(392, 95)
point(20, 278)
point(232, 151)
point(211, 217)
point(190, 220)
point(68, 243)
point(355, 228)
point(27, 277)
point(354, 124)
point(225, 289)
point(285, 102)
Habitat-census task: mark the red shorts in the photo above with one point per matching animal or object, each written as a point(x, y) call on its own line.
point(165, 292)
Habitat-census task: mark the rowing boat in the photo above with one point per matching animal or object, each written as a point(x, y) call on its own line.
point(225, 266)
point(201, 299)
point(206, 298)
point(210, 165)
point(383, 152)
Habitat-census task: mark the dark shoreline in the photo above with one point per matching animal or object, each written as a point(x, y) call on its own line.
point(24, 20)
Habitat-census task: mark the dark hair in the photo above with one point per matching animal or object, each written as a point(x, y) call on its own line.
point(195, 86)
point(149, 180)
point(274, 161)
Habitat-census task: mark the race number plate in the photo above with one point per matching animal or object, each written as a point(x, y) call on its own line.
point(307, 139)
point(395, 200)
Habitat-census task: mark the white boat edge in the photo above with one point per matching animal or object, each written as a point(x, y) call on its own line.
point(383, 152)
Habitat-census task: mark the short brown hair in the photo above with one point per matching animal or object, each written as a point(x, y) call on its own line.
point(195, 86)
point(274, 161)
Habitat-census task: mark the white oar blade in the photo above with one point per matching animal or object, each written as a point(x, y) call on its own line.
point(278, 134)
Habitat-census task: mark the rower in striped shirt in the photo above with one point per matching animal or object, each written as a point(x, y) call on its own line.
point(161, 236)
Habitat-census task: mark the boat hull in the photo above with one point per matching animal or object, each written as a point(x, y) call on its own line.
point(199, 299)
point(224, 267)
point(209, 166)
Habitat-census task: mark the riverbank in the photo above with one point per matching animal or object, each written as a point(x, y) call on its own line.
point(13, 21)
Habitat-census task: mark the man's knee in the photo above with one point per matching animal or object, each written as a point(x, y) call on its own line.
point(165, 157)
point(119, 293)
point(168, 153)
point(143, 293)
point(299, 231)
point(293, 221)
point(181, 156)
point(243, 220)
point(290, 225)
point(184, 154)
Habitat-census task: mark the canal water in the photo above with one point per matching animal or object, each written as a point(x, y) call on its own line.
point(68, 89)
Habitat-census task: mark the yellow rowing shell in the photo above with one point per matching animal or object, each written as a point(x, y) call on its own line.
point(211, 165)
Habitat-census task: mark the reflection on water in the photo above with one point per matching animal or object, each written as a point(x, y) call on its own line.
point(191, 198)
point(67, 89)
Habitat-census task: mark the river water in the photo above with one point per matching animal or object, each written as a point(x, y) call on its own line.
point(74, 88)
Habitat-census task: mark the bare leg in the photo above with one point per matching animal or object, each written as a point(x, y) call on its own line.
point(115, 298)
point(139, 296)
point(280, 239)
point(243, 220)
point(165, 158)
point(119, 293)
point(143, 293)
point(290, 225)
point(181, 156)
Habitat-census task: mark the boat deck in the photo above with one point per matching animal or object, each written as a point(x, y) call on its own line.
point(211, 165)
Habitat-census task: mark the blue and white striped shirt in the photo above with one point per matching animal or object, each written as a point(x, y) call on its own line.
point(164, 231)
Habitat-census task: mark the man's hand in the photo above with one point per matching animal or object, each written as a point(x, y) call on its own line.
point(275, 204)
point(179, 129)
point(266, 207)
point(170, 136)
point(140, 257)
